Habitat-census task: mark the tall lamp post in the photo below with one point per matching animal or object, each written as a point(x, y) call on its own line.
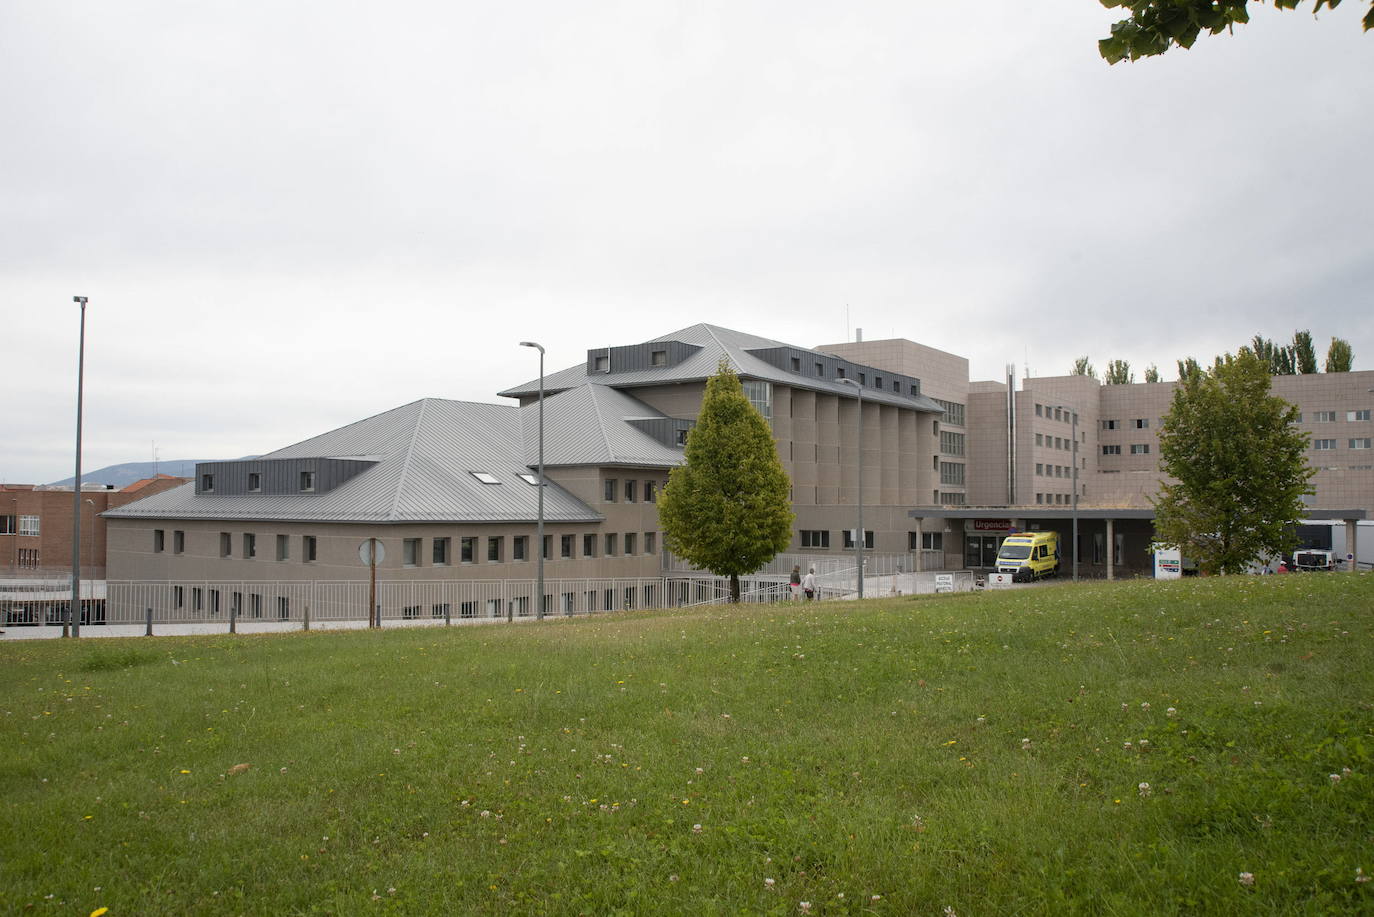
point(1073, 418)
point(539, 530)
point(859, 536)
point(74, 612)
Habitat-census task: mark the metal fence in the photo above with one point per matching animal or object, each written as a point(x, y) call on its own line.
point(299, 604)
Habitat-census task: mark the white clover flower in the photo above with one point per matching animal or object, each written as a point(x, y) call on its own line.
point(1171, 712)
point(804, 906)
point(1335, 778)
point(1359, 874)
point(1247, 878)
point(1145, 705)
point(696, 829)
point(1144, 789)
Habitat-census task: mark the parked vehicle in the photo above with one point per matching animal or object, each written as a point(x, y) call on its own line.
point(1310, 559)
point(1029, 556)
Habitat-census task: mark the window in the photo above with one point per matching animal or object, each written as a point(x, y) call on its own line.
point(877, 381)
point(283, 547)
point(178, 542)
point(159, 542)
point(1058, 471)
point(250, 545)
point(307, 481)
point(1324, 445)
point(610, 544)
point(1109, 425)
point(254, 482)
point(283, 607)
point(863, 378)
point(650, 542)
point(519, 547)
point(601, 364)
point(839, 372)
point(548, 547)
point(820, 369)
point(588, 545)
point(815, 538)
point(1039, 411)
point(650, 491)
point(485, 477)
point(849, 539)
point(608, 494)
point(494, 550)
point(916, 387)
point(629, 597)
point(178, 596)
point(1039, 498)
point(951, 499)
point(226, 544)
point(1058, 442)
point(1058, 413)
point(1040, 439)
point(197, 599)
point(255, 604)
point(207, 483)
point(1039, 469)
point(441, 551)
point(410, 611)
point(630, 540)
point(1142, 423)
point(1140, 448)
point(1111, 450)
point(1360, 443)
point(954, 412)
point(760, 395)
point(214, 601)
point(631, 491)
point(467, 549)
point(1357, 415)
point(8, 525)
point(952, 473)
point(658, 358)
point(951, 443)
point(410, 552)
point(682, 437)
point(566, 544)
point(439, 611)
point(933, 541)
point(528, 479)
point(1323, 416)
point(795, 363)
point(308, 548)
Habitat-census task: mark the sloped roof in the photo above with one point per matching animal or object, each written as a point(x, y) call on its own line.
point(425, 453)
point(589, 425)
point(717, 343)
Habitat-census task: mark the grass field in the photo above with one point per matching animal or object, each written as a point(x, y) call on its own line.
point(1129, 748)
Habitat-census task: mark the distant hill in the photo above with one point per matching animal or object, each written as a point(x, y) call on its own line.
point(129, 472)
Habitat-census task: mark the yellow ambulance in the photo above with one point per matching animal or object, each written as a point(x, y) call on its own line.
point(1029, 556)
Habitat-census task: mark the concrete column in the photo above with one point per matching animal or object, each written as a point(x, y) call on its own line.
point(920, 554)
point(1111, 548)
point(1352, 548)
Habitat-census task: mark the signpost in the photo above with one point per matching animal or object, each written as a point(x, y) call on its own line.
point(1168, 563)
point(372, 552)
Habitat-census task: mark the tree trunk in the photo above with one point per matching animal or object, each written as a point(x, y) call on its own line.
point(734, 588)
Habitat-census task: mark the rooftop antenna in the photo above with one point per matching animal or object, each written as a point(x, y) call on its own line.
point(846, 321)
point(154, 458)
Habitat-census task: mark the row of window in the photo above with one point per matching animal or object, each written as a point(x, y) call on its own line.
point(1055, 499)
point(952, 473)
point(28, 557)
point(1136, 449)
point(951, 443)
point(1138, 423)
point(1331, 416)
point(610, 543)
point(306, 480)
point(1053, 471)
point(820, 538)
point(1326, 445)
point(1055, 412)
point(612, 490)
point(954, 411)
point(1054, 442)
point(878, 381)
point(26, 525)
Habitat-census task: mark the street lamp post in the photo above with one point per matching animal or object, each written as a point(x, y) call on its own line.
point(539, 530)
point(859, 536)
point(74, 612)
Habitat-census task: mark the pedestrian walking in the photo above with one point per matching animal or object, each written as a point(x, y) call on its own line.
point(795, 582)
point(808, 584)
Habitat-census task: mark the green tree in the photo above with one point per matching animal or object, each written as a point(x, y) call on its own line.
point(1156, 25)
point(1304, 354)
point(1237, 463)
point(728, 509)
point(1339, 356)
point(1278, 357)
point(1081, 367)
point(1188, 367)
point(1152, 373)
point(1118, 373)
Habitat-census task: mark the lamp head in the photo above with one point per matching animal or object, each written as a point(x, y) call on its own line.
point(80, 299)
point(532, 344)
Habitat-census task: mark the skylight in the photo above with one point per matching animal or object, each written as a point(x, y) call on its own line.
point(530, 479)
point(484, 477)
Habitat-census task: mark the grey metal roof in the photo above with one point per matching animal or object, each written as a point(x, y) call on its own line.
point(426, 452)
point(587, 425)
point(717, 343)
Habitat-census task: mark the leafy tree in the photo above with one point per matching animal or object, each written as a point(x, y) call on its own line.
point(1152, 373)
point(728, 509)
point(1278, 357)
point(1339, 356)
point(1156, 25)
point(1188, 367)
point(1081, 367)
point(1304, 355)
point(1118, 373)
point(1238, 463)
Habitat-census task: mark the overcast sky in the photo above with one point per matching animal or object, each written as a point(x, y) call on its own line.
point(289, 216)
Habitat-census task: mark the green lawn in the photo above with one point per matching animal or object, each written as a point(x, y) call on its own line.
point(1127, 748)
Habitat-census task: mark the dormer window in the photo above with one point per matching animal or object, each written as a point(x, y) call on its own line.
point(796, 364)
point(254, 482)
point(207, 483)
point(601, 364)
point(307, 481)
point(658, 358)
point(839, 372)
point(484, 477)
point(820, 369)
point(877, 381)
